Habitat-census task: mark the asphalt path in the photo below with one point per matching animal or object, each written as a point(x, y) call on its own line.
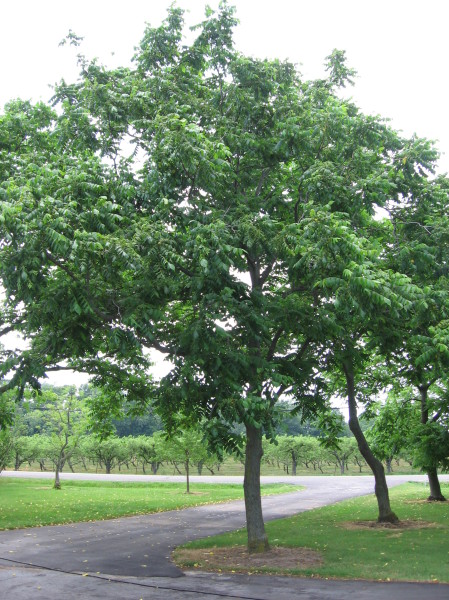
point(130, 557)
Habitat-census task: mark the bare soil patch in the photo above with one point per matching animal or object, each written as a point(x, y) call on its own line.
point(407, 524)
point(237, 559)
point(426, 501)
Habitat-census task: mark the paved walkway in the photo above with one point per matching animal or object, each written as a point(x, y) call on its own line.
point(130, 557)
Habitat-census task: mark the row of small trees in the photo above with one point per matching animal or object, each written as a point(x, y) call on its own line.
point(66, 440)
point(142, 453)
point(183, 452)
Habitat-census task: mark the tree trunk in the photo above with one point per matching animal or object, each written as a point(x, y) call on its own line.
point(434, 485)
point(257, 538)
point(386, 515)
point(342, 467)
point(388, 463)
point(294, 464)
point(57, 483)
point(432, 475)
point(187, 466)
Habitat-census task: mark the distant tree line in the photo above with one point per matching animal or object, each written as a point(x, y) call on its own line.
point(54, 433)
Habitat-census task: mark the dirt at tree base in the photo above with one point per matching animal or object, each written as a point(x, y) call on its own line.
point(238, 559)
point(407, 524)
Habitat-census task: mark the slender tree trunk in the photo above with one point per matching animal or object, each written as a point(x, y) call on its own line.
point(432, 475)
point(187, 466)
point(386, 515)
point(294, 464)
point(388, 463)
point(57, 483)
point(257, 538)
point(342, 467)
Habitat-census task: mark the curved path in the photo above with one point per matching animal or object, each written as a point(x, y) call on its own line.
point(130, 557)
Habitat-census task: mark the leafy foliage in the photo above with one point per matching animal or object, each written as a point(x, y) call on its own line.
point(219, 209)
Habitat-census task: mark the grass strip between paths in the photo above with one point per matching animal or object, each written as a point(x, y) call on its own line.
point(341, 541)
point(34, 502)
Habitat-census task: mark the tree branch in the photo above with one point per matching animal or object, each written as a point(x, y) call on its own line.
point(53, 260)
point(10, 328)
point(266, 272)
point(262, 179)
point(274, 341)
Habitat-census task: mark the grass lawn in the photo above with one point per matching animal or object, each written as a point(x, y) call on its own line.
point(34, 502)
point(347, 547)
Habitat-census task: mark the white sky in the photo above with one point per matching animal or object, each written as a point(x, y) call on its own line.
point(399, 48)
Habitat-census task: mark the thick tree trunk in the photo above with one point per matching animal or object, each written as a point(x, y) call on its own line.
point(386, 515)
point(434, 485)
point(257, 538)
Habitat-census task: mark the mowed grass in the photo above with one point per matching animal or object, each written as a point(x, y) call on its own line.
point(34, 502)
point(385, 554)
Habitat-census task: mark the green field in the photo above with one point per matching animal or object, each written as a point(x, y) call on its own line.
point(353, 552)
point(34, 502)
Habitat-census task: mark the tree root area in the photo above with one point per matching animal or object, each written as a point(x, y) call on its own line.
point(408, 524)
point(237, 559)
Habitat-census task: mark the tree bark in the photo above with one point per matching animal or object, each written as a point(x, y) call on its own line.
point(432, 474)
point(257, 538)
point(386, 515)
point(435, 488)
point(187, 467)
point(57, 483)
point(294, 464)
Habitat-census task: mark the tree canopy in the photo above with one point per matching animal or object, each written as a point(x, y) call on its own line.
point(211, 206)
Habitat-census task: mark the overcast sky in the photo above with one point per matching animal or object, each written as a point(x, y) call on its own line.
point(400, 48)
